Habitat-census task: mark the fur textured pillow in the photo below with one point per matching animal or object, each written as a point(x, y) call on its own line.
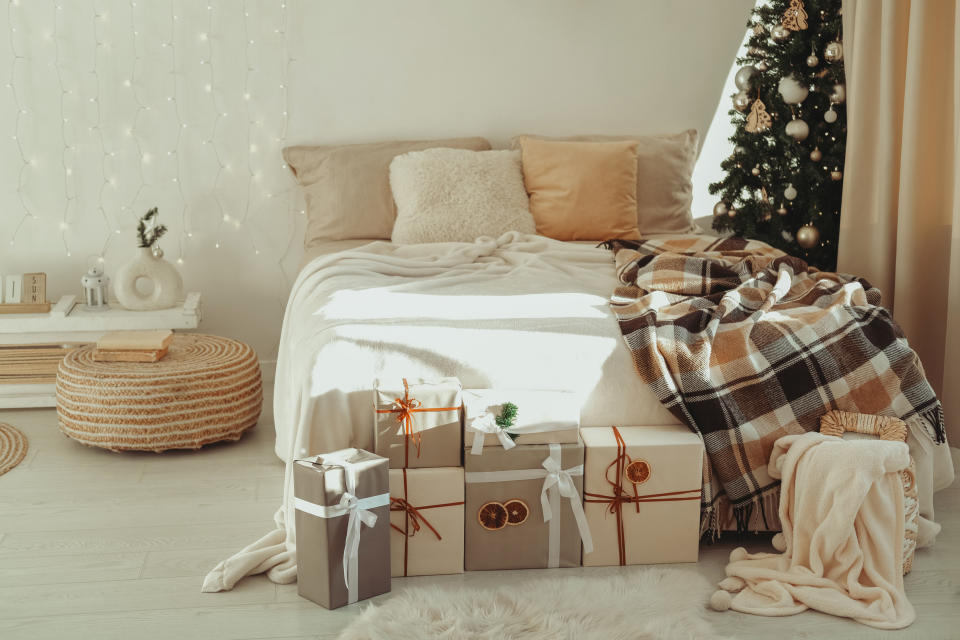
point(458, 195)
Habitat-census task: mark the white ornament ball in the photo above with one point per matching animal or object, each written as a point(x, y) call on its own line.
point(792, 90)
point(779, 542)
point(739, 149)
point(720, 208)
point(755, 171)
point(816, 155)
point(790, 192)
point(812, 60)
point(833, 52)
point(721, 600)
point(798, 129)
point(779, 33)
point(830, 115)
point(745, 77)
point(741, 101)
point(839, 94)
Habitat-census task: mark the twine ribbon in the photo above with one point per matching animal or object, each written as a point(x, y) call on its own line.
point(412, 519)
point(620, 496)
point(405, 407)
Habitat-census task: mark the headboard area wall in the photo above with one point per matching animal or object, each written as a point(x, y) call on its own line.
point(110, 107)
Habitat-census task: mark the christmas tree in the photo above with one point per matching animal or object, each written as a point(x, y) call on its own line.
point(784, 180)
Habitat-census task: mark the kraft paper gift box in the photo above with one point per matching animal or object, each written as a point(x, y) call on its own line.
point(542, 417)
point(524, 508)
point(426, 521)
point(417, 423)
point(642, 494)
point(342, 502)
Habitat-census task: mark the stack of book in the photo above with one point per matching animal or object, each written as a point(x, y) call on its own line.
point(133, 346)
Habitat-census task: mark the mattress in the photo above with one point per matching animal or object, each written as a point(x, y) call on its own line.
point(517, 312)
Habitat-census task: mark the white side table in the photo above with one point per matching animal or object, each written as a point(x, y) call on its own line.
point(31, 344)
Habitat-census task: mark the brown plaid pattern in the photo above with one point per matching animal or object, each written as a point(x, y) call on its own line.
point(745, 344)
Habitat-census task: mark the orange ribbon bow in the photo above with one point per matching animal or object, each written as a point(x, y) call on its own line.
point(412, 518)
point(621, 497)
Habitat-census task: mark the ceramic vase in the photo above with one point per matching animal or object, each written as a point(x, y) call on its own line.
point(167, 284)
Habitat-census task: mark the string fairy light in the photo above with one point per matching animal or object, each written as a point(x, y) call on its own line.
point(181, 126)
point(67, 147)
point(98, 129)
point(220, 114)
point(131, 131)
point(25, 163)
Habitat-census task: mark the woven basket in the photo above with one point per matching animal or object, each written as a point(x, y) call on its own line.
point(835, 423)
point(205, 389)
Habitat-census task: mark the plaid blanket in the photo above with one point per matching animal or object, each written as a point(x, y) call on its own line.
point(746, 344)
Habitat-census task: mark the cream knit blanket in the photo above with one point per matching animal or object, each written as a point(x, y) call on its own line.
point(841, 507)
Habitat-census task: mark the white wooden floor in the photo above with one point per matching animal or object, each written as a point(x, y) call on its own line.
point(101, 545)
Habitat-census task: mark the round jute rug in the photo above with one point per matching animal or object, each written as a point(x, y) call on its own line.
point(13, 447)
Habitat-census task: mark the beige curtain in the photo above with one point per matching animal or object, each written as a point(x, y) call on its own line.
point(900, 221)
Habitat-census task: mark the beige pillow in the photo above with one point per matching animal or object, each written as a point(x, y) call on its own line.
point(458, 195)
point(582, 190)
point(664, 178)
point(347, 187)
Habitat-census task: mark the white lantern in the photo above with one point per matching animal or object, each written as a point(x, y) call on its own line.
point(95, 288)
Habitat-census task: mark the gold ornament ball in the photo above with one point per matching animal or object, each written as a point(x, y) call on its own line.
point(780, 33)
point(808, 236)
point(836, 175)
point(816, 155)
point(732, 213)
point(812, 60)
point(839, 94)
point(767, 216)
point(762, 65)
point(830, 115)
point(782, 210)
point(720, 208)
point(833, 52)
point(755, 171)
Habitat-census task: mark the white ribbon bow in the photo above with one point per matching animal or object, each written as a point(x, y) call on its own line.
point(351, 551)
point(487, 423)
point(564, 483)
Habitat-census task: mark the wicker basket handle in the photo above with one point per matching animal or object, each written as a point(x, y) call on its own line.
point(834, 423)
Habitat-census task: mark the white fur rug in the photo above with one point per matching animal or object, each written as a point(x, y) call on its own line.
point(638, 604)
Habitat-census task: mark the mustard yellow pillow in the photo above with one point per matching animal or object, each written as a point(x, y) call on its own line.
point(582, 190)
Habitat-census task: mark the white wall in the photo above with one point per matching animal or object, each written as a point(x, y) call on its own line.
point(116, 106)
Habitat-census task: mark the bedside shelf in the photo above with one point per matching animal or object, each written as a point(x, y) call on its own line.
point(70, 323)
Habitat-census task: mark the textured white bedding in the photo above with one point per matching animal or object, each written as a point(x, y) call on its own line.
point(522, 311)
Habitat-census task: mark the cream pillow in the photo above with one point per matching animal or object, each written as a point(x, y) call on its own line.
point(664, 178)
point(455, 195)
point(582, 190)
point(347, 187)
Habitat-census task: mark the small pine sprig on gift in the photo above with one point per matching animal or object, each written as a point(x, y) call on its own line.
point(508, 418)
point(148, 231)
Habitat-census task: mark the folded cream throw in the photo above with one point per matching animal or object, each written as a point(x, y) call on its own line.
point(841, 507)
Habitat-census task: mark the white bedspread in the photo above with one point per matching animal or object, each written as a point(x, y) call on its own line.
point(518, 311)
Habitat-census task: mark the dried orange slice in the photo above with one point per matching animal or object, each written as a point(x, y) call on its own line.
point(637, 471)
point(492, 516)
point(517, 511)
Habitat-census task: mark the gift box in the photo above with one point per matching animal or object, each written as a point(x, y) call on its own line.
point(642, 494)
point(542, 417)
point(524, 508)
point(426, 521)
point(417, 424)
point(342, 502)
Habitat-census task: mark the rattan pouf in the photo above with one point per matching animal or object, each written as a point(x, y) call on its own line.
point(205, 389)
